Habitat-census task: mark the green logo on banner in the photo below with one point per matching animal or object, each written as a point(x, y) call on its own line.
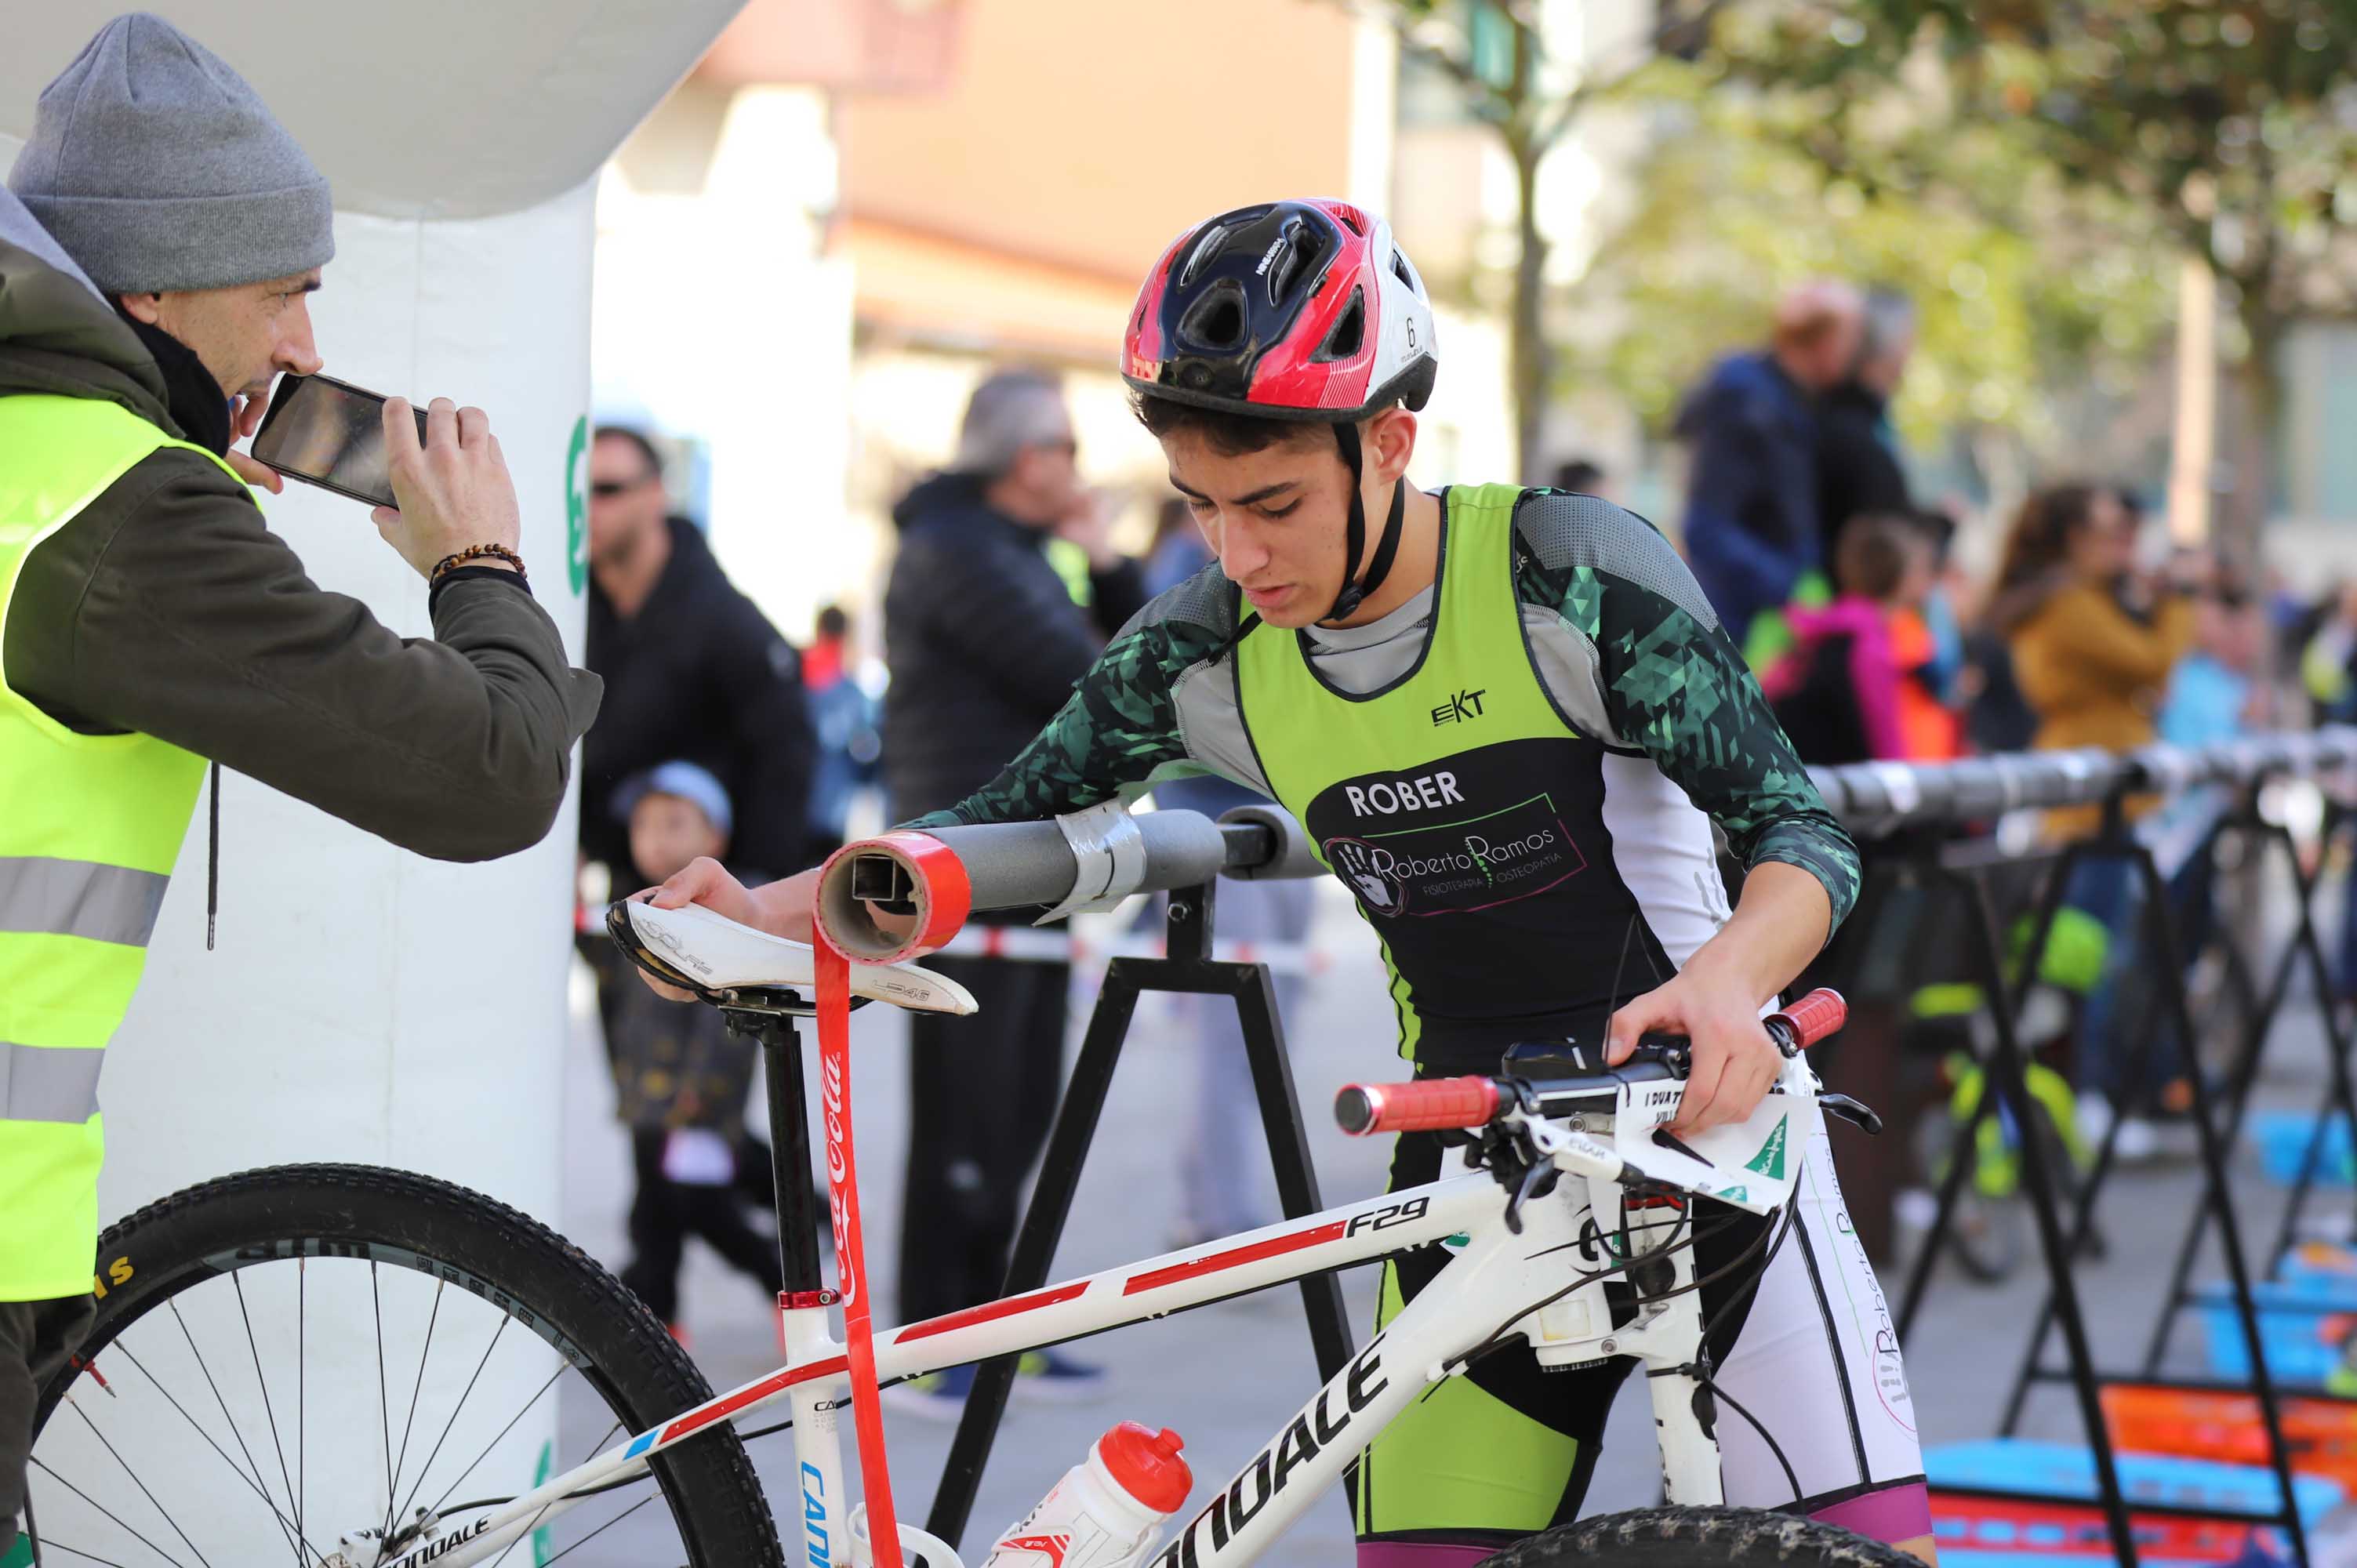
point(1770, 1161)
point(576, 507)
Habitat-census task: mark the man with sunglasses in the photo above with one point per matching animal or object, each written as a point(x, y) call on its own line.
point(693, 670)
point(1004, 592)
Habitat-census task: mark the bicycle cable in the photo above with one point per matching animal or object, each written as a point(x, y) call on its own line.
point(1704, 1379)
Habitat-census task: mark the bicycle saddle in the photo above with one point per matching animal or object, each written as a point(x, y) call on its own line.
point(709, 954)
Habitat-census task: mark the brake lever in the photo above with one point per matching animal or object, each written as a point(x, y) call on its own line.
point(1857, 1114)
point(1523, 1192)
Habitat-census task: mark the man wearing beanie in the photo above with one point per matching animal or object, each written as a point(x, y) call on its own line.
point(158, 239)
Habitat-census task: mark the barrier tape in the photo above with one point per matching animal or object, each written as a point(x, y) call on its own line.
point(1021, 944)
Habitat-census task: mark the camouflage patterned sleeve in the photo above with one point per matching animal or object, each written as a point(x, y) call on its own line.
point(1676, 686)
point(1119, 723)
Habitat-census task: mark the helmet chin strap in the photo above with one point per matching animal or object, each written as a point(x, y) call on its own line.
point(1356, 588)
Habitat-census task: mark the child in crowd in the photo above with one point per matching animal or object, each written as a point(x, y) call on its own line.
point(1838, 692)
point(680, 1080)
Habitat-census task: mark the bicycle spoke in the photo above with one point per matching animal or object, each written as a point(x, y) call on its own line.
point(383, 1403)
point(75, 1405)
point(110, 1513)
point(401, 1465)
point(428, 1468)
point(78, 1551)
point(302, 1426)
point(251, 1484)
point(503, 1430)
point(255, 1350)
point(598, 1448)
point(235, 1430)
point(602, 1529)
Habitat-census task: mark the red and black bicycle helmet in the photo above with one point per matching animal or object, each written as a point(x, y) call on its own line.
point(1300, 310)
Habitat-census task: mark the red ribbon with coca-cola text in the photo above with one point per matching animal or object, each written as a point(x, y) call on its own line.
point(850, 1260)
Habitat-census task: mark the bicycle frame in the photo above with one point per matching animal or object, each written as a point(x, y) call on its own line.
point(1497, 1279)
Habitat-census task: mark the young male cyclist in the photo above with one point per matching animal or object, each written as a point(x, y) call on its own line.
point(1509, 719)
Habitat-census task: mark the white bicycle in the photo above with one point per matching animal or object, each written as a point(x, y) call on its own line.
point(172, 1437)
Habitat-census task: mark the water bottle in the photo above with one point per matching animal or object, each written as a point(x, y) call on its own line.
point(1108, 1508)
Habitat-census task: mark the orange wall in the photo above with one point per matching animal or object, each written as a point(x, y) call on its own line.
point(1089, 132)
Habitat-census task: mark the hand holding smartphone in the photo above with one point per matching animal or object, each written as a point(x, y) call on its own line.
point(331, 433)
point(454, 490)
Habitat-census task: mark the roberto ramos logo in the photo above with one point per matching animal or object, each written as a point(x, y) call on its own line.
point(1441, 868)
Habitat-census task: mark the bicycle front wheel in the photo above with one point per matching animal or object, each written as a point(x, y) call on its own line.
point(1700, 1538)
point(293, 1363)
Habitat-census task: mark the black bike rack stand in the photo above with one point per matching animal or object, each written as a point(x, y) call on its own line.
point(1188, 968)
point(2006, 1075)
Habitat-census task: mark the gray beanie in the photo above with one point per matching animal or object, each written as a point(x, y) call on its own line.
point(157, 168)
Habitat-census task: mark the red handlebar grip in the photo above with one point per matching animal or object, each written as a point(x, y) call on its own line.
point(1365, 1109)
point(1819, 1014)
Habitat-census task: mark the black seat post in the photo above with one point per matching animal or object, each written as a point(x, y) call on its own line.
point(790, 1151)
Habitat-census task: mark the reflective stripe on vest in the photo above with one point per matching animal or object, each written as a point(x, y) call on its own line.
point(79, 898)
point(89, 826)
point(56, 1084)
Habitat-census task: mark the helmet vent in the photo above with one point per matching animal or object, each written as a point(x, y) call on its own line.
point(1299, 249)
point(1350, 333)
point(1207, 249)
point(1404, 273)
point(1216, 322)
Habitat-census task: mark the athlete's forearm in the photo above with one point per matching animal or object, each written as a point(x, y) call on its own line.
point(1779, 925)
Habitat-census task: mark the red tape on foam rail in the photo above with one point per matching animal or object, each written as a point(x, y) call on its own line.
point(942, 894)
point(850, 1260)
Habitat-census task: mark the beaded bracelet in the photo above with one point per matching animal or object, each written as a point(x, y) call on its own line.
point(475, 552)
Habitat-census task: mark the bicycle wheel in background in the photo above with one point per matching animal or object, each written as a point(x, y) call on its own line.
point(1700, 1538)
point(292, 1359)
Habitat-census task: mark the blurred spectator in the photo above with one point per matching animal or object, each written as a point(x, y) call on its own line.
point(1580, 476)
point(2092, 645)
point(2093, 648)
point(1752, 508)
point(1837, 693)
point(2328, 674)
point(692, 669)
point(1858, 471)
point(680, 1079)
point(845, 719)
point(1004, 589)
point(1218, 1145)
point(1928, 644)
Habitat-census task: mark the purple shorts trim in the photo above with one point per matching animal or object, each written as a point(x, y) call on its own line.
point(1430, 1554)
point(1893, 1514)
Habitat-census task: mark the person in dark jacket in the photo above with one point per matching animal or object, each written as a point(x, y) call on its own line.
point(694, 671)
point(1858, 471)
point(1004, 592)
point(159, 238)
point(1751, 527)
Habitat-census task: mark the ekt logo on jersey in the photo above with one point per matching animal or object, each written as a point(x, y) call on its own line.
point(1463, 706)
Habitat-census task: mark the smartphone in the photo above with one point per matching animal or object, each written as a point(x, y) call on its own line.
point(331, 433)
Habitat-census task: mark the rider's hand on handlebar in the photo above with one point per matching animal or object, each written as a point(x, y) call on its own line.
point(1734, 1061)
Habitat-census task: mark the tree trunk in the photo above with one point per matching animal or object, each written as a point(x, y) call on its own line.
point(2260, 380)
point(1529, 355)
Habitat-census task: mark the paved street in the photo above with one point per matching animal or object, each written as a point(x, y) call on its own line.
point(1226, 1377)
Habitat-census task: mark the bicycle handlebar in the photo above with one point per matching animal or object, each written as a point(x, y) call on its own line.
point(1431, 1104)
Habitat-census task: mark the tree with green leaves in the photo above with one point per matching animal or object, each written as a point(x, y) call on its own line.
point(1499, 55)
point(2039, 305)
point(2231, 123)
